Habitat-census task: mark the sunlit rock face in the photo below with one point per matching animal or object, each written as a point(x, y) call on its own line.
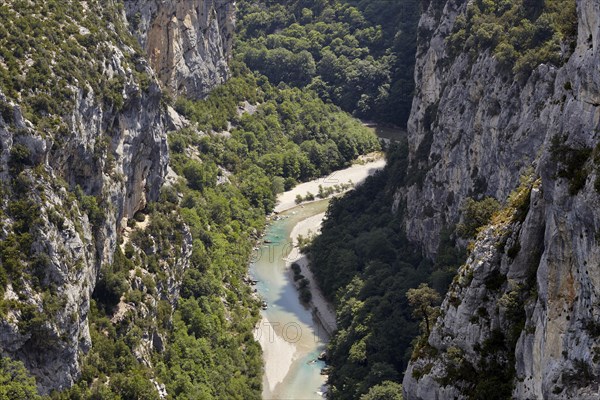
point(187, 42)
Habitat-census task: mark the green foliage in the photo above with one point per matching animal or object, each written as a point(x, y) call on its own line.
point(492, 377)
point(324, 193)
point(212, 353)
point(112, 283)
point(19, 158)
point(476, 214)
point(495, 281)
point(292, 136)
point(16, 244)
point(387, 390)
point(209, 349)
point(66, 45)
point(7, 113)
point(357, 53)
point(302, 284)
point(89, 204)
point(517, 205)
point(522, 34)
point(199, 175)
point(139, 216)
point(365, 264)
point(581, 374)
point(15, 381)
point(282, 65)
point(423, 301)
point(135, 386)
point(221, 106)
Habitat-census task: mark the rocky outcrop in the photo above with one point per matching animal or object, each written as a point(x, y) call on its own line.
point(188, 43)
point(472, 130)
point(70, 186)
point(525, 305)
point(116, 157)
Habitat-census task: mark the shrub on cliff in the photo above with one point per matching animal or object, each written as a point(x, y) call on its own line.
point(521, 34)
point(476, 214)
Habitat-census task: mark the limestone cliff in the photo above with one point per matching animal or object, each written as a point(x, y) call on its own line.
point(524, 308)
point(83, 147)
point(119, 158)
point(188, 43)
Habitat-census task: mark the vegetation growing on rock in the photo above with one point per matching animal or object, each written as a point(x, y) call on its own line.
point(521, 34)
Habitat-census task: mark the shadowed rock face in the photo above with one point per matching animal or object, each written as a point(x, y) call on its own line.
point(188, 43)
point(532, 282)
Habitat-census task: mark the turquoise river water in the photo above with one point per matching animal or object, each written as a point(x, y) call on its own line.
point(294, 338)
point(289, 335)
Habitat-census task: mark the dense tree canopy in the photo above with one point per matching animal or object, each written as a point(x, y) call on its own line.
point(291, 134)
point(358, 54)
point(15, 381)
point(522, 34)
point(387, 390)
point(365, 264)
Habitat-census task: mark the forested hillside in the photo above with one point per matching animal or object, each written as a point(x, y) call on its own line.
point(357, 54)
point(366, 265)
point(289, 135)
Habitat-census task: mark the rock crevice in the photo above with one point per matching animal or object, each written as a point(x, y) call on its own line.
point(188, 43)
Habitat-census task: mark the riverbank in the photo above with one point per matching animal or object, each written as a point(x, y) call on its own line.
point(291, 335)
point(279, 353)
point(367, 166)
point(322, 309)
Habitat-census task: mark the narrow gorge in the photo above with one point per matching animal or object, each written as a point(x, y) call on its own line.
point(149, 148)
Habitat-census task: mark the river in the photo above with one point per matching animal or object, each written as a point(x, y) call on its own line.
point(289, 335)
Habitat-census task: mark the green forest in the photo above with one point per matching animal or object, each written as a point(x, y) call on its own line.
point(521, 34)
point(358, 54)
point(292, 136)
point(365, 265)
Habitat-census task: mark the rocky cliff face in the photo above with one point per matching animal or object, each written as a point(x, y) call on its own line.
point(69, 182)
point(524, 308)
point(472, 130)
point(188, 43)
point(119, 158)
